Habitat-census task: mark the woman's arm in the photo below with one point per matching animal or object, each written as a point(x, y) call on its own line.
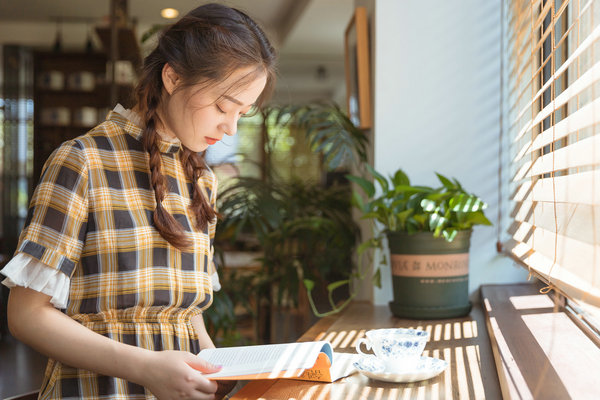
point(203, 339)
point(206, 343)
point(168, 374)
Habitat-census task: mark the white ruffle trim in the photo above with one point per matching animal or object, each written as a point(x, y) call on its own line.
point(136, 119)
point(24, 270)
point(216, 285)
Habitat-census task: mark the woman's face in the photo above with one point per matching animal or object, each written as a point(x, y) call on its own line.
point(200, 117)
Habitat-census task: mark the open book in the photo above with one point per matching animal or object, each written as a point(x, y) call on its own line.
point(313, 361)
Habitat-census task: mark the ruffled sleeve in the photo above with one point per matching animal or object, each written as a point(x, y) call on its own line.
point(26, 271)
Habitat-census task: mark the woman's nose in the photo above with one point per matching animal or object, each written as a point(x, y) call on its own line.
point(230, 128)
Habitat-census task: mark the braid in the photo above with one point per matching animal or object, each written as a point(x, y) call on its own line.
point(167, 226)
point(194, 167)
point(203, 48)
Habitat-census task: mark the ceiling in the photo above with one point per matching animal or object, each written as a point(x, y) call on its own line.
point(307, 33)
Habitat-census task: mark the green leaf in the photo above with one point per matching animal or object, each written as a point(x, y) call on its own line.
point(324, 146)
point(458, 185)
point(336, 157)
point(407, 190)
point(372, 214)
point(446, 182)
point(357, 201)
point(315, 138)
point(332, 286)
point(400, 178)
point(403, 216)
point(449, 234)
point(309, 284)
point(466, 203)
point(367, 244)
point(421, 219)
point(376, 279)
point(438, 197)
point(380, 178)
point(367, 186)
point(436, 221)
point(429, 205)
point(398, 205)
point(476, 218)
point(412, 229)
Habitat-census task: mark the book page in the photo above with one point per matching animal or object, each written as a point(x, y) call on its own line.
point(342, 365)
point(272, 358)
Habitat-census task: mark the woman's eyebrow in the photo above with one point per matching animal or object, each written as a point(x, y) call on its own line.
point(233, 100)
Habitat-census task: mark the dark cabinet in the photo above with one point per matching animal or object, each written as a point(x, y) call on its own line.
point(71, 96)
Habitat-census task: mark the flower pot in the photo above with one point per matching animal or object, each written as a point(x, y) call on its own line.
point(430, 276)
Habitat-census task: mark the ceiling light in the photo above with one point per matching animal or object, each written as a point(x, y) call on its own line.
point(169, 13)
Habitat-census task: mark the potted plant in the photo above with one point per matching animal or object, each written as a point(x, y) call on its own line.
point(304, 228)
point(428, 232)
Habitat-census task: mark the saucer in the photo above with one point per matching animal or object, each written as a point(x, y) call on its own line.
point(426, 368)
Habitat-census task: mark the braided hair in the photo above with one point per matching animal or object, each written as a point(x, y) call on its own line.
point(204, 48)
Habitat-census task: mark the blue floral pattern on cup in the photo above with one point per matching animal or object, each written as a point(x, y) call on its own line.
point(397, 348)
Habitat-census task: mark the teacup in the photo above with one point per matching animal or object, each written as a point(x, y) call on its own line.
point(397, 348)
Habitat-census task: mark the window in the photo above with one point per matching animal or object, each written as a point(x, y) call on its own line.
point(552, 134)
point(285, 145)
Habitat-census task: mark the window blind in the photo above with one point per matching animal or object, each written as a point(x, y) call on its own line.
point(552, 70)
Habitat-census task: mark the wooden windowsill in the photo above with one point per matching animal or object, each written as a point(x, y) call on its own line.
point(463, 342)
point(540, 352)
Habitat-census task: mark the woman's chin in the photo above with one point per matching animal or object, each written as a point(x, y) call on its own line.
point(198, 148)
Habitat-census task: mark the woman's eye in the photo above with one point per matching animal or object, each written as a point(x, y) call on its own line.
point(220, 109)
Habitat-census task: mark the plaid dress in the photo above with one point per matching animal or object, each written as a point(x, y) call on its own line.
point(91, 218)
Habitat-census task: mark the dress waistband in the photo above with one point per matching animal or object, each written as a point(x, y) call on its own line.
point(145, 315)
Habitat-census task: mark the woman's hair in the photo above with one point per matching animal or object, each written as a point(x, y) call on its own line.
point(204, 47)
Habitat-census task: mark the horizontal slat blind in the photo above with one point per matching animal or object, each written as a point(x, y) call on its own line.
point(553, 127)
point(577, 188)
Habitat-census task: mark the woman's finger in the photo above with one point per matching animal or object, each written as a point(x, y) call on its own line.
point(202, 365)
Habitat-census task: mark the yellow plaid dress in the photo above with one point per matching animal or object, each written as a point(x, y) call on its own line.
point(91, 218)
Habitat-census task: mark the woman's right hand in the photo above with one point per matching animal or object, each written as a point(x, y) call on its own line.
point(176, 375)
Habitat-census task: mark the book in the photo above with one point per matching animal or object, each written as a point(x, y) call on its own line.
point(312, 361)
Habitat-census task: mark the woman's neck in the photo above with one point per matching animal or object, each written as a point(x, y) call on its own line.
point(164, 134)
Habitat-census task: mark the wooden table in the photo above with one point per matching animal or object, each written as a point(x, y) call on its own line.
point(463, 342)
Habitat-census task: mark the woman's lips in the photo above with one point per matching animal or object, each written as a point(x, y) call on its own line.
point(210, 140)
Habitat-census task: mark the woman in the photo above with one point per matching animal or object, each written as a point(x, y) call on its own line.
point(120, 228)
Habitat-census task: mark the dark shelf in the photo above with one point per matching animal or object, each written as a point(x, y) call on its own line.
point(49, 136)
point(129, 48)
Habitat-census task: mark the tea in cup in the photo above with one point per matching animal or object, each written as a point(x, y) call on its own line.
point(398, 348)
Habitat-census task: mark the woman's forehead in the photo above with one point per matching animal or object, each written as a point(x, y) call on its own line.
point(242, 87)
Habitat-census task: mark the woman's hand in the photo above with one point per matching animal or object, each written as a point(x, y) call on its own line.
point(179, 375)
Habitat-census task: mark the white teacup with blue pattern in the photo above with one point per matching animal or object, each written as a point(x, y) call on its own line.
point(398, 348)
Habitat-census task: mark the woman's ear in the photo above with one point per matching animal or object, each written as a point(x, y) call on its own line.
point(170, 78)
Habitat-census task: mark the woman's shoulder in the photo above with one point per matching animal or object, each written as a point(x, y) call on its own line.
point(80, 148)
point(108, 135)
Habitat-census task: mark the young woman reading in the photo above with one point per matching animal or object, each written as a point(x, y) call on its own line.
point(114, 265)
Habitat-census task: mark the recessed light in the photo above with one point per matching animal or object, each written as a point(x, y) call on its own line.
point(169, 13)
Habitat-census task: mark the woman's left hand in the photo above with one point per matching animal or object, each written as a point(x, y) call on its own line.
point(224, 388)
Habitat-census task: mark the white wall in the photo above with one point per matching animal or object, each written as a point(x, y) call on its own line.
point(437, 108)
